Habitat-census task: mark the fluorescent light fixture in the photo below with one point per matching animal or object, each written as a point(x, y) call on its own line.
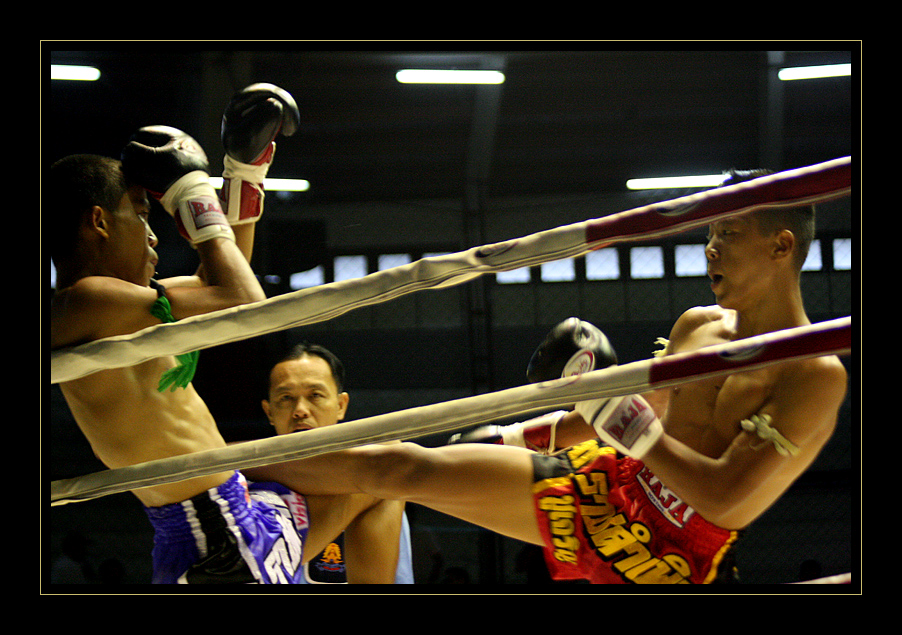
point(814, 72)
point(423, 76)
point(672, 182)
point(286, 185)
point(273, 185)
point(74, 73)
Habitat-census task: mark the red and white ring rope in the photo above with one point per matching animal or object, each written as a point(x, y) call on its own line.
point(832, 337)
point(813, 184)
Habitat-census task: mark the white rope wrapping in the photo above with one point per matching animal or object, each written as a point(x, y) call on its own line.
point(832, 337)
point(840, 578)
point(813, 184)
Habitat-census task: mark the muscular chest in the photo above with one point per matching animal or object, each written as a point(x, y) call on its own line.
point(705, 415)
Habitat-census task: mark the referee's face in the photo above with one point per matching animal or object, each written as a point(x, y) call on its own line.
point(303, 395)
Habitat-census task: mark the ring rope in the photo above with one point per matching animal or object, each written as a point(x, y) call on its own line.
point(840, 578)
point(824, 338)
point(812, 184)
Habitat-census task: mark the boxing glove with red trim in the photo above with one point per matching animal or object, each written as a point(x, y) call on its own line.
point(536, 434)
point(574, 347)
point(571, 348)
point(173, 168)
point(254, 117)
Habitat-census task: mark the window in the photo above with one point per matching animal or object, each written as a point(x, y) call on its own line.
point(814, 262)
point(306, 279)
point(690, 260)
point(348, 267)
point(559, 271)
point(390, 261)
point(842, 254)
point(647, 262)
point(517, 276)
point(603, 264)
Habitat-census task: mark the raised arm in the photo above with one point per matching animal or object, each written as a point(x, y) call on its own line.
point(171, 166)
point(252, 120)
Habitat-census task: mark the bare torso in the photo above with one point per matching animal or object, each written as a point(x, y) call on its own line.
point(706, 415)
point(127, 421)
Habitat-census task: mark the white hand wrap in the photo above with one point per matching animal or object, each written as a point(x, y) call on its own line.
point(192, 201)
point(536, 434)
point(627, 424)
point(242, 188)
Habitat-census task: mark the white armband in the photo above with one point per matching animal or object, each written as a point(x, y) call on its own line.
point(760, 425)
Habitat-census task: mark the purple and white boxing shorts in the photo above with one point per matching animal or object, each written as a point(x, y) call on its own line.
point(232, 534)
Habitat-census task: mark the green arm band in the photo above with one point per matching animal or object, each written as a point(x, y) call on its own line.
point(181, 375)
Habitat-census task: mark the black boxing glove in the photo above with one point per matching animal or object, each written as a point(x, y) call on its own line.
point(254, 117)
point(572, 347)
point(173, 168)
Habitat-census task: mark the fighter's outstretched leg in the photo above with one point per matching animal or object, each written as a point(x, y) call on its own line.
point(487, 485)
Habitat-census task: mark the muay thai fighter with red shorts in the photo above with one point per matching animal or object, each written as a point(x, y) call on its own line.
point(604, 517)
point(665, 481)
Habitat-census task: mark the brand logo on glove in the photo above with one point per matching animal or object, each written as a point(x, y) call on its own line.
point(187, 144)
point(206, 212)
point(582, 362)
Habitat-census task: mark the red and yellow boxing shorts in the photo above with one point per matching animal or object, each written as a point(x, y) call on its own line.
point(607, 519)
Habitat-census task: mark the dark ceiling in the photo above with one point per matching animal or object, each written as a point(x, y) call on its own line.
point(564, 122)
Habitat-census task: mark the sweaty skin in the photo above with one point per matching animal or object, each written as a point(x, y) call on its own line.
point(120, 412)
point(725, 473)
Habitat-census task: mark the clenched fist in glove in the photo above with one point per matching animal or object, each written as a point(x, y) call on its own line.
point(173, 168)
point(573, 347)
point(254, 117)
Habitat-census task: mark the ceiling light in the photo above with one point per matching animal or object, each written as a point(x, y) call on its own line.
point(422, 76)
point(814, 72)
point(74, 73)
point(273, 185)
point(672, 182)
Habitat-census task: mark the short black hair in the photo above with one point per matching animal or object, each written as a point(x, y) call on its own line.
point(76, 184)
point(335, 364)
point(799, 220)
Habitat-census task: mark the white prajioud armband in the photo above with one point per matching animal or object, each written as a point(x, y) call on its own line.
point(760, 425)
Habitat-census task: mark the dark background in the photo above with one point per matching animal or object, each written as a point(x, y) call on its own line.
point(399, 169)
